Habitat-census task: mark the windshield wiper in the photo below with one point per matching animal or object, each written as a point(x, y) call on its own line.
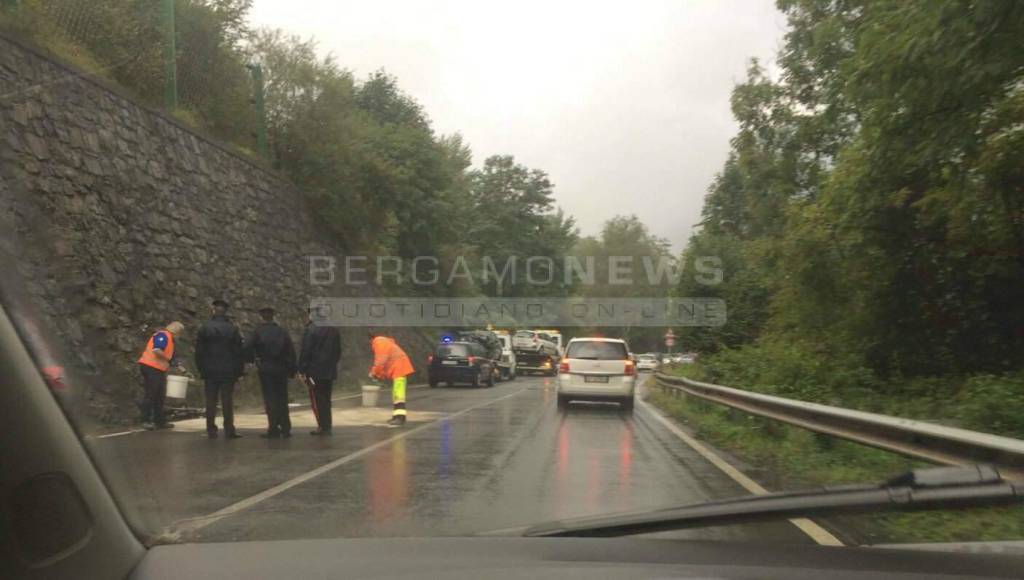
point(921, 489)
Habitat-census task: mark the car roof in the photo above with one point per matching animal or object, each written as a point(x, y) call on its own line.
point(597, 339)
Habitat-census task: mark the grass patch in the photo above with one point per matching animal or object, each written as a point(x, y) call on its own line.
point(786, 457)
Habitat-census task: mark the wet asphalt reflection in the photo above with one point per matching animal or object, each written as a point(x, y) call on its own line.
point(513, 459)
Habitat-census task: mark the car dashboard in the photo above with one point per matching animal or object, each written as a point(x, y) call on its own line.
point(496, 558)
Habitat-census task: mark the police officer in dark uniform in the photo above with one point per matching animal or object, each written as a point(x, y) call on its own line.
point(220, 359)
point(271, 348)
point(318, 369)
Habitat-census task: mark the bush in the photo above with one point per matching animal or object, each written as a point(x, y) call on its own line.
point(792, 369)
point(993, 404)
point(987, 403)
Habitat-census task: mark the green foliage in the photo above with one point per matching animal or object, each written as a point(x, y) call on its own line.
point(870, 209)
point(745, 292)
point(994, 404)
point(512, 214)
point(651, 270)
point(801, 370)
point(364, 153)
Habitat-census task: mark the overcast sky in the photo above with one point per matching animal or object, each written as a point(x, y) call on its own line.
point(626, 106)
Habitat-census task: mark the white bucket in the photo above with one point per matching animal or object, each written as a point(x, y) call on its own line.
point(177, 386)
point(371, 394)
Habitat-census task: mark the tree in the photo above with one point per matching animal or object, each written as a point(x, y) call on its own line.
point(874, 191)
point(642, 260)
point(513, 218)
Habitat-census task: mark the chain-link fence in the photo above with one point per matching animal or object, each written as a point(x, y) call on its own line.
point(187, 56)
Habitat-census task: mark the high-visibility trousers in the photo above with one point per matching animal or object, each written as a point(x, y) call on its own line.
point(398, 396)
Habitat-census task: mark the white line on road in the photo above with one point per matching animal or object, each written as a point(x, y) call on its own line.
point(190, 525)
point(119, 433)
point(816, 532)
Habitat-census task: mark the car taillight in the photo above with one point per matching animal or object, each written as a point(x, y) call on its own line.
point(430, 358)
point(630, 368)
point(471, 359)
point(563, 367)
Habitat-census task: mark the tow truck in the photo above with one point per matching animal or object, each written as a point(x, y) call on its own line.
point(536, 351)
point(507, 365)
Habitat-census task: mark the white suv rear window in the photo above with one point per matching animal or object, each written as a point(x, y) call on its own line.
point(597, 350)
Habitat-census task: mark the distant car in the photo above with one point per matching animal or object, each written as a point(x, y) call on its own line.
point(666, 360)
point(460, 362)
point(688, 358)
point(597, 369)
point(534, 342)
point(554, 337)
point(535, 352)
point(647, 362)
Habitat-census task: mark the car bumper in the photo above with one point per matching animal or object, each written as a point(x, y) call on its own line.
point(454, 374)
point(616, 387)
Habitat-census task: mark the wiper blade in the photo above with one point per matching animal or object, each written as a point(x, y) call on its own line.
point(921, 489)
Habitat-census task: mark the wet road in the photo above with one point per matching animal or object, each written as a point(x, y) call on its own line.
point(469, 461)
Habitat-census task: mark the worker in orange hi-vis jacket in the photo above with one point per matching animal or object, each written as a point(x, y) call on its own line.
point(390, 363)
point(153, 365)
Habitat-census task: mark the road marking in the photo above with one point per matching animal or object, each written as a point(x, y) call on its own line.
point(816, 532)
point(175, 531)
point(118, 434)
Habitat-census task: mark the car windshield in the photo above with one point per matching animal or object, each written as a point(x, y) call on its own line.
point(597, 350)
point(251, 244)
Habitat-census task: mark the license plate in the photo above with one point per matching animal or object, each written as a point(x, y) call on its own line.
point(595, 379)
point(449, 362)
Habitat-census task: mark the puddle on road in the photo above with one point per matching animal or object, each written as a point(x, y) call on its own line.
point(355, 417)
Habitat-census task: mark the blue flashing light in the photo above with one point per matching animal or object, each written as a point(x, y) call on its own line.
point(446, 338)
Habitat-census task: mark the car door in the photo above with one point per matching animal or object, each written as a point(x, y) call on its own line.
point(58, 520)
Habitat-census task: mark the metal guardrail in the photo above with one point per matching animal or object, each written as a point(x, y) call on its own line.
point(920, 439)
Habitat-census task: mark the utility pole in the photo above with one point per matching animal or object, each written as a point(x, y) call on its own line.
point(170, 58)
point(261, 113)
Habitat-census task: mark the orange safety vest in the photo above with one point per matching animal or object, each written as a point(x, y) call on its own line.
point(389, 360)
point(151, 359)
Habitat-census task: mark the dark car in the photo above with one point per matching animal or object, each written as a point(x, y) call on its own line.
point(461, 362)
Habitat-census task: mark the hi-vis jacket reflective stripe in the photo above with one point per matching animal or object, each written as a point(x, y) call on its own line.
point(389, 360)
point(152, 359)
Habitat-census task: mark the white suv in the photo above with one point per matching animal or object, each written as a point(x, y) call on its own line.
point(647, 362)
point(597, 369)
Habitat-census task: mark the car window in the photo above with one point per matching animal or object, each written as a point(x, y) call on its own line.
point(597, 350)
point(460, 350)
